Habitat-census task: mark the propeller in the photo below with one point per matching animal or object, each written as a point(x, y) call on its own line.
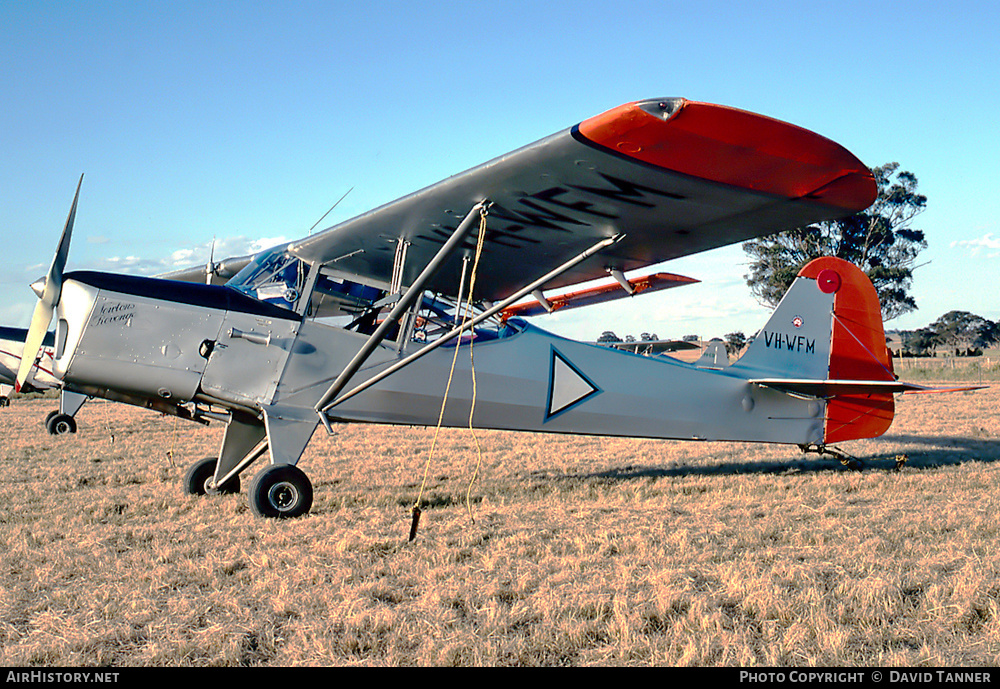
point(211, 267)
point(48, 300)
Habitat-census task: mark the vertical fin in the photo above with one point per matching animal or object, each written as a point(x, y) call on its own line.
point(795, 341)
point(714, 356)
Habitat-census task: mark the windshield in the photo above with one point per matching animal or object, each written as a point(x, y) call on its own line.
point(273, 276)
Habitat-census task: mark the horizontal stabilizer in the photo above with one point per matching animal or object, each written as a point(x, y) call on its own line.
point(921, 390)
point(830, 388)
point(598, 294)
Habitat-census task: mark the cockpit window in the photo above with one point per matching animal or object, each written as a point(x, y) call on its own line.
point(274, 276)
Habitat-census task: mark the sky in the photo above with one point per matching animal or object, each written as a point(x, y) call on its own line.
point(238, 124)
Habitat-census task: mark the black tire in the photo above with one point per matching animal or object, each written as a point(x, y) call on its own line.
point(198, 479)
point(60, 424)
point(280, 491)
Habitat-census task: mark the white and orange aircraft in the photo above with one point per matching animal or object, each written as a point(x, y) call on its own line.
point(360, 322)
point(39, 378)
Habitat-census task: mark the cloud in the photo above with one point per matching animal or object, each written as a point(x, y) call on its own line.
point(226, 247)
point(987, 243)
point(266, 243)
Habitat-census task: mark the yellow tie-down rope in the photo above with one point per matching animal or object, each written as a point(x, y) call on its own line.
point(444, 401)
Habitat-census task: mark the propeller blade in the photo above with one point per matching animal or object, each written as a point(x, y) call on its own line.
point(33, 342)
point(210, 268)
point(47, 303)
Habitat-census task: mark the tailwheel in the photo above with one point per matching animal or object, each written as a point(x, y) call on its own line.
point(60, 424)
point(849, 461)
point(280, 491)
point(200, 479)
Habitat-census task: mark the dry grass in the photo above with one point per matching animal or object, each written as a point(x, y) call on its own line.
point(972, 369)
point(583, 550)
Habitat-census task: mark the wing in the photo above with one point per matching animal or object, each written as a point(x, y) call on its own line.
point(216, 273)
point(676, 177)
point(597, 294)
point(653, 346)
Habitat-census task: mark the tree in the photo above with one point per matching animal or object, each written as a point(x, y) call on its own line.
point(878, 240)
point(735, 341)
point(919, 342)
point(961, 328)
point(958, 329)
point(608, 336)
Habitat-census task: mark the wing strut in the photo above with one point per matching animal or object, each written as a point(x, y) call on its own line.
point(325, 404)
point(414, 292)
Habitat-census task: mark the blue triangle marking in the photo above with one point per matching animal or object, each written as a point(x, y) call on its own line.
point(575, 390)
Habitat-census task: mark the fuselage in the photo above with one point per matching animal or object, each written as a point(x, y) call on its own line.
point(176, 343)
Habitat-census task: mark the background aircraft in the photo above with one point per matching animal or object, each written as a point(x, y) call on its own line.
point(39, 376)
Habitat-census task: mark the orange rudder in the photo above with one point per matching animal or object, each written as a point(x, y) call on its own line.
point(857, 351)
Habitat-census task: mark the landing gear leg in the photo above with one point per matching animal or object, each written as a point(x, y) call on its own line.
point(200, 479)
point(280, 490)
point(63, 421)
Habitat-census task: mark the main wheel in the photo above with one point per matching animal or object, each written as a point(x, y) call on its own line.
point(280, 491)
point(200, 479)
point(60, 424)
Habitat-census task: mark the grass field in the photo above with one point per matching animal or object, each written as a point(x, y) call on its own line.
point(973, 369)
point(577, 550)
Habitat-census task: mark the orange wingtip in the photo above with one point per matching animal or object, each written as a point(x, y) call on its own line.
point(735, 147)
